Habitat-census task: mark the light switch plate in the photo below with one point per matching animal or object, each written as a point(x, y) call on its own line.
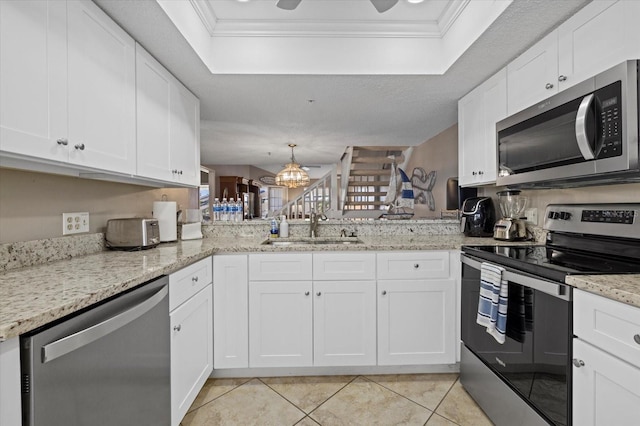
point(75, 223)
point(532, 215)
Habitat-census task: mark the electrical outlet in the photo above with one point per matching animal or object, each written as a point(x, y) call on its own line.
point(75, 223)
point(532, 215)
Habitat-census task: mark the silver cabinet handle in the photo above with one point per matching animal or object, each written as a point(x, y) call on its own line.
point(318, 294)
point(79, 146)
point(474, 173)
point(636, 338)
point(194, 279)
point(581, 128)
point(177, 327)
point(88, 335)
point(562, 78)
point(306, 293)
point(384, 292)
point(480, 172)
point(548, 86)
point(62, 141)
point(578, 363)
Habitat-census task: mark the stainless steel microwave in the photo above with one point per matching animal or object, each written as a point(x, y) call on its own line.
point(587, 134)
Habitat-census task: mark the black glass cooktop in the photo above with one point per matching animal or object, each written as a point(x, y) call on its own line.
point(552, 262)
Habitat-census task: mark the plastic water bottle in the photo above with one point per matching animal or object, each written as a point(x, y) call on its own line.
point(217, 207)
point(239, 211)
point(274, 228)
point(224, 213)
point(232, 210)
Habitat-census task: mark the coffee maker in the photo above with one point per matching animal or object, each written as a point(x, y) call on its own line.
point(477, 217)
point(512, 227)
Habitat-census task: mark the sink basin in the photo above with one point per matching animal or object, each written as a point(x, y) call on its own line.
point(284, 242)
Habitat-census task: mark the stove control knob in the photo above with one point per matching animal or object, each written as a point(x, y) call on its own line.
point(554, 215)
point(565, 215)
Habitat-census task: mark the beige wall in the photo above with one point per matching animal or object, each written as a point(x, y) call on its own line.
point(31, 204)
point(439, 153)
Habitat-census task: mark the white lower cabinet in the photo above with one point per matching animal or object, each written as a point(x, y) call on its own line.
point(416, 317)
point(344, 323)
point(230, 312)
point(280, 324)
point(10, 409)
point(191, 322)
point(606, 373)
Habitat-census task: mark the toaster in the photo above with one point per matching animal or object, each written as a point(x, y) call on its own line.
point(132, 233)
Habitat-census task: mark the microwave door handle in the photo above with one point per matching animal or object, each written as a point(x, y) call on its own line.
point(581, 128)
point(82, 338)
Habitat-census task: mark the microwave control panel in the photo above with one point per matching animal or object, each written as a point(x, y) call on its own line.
point(609, 99)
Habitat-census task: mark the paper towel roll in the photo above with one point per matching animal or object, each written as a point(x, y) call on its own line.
point(165, 212)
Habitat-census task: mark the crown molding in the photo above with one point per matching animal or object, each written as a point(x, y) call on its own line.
point(448, 17)
point(207, 15)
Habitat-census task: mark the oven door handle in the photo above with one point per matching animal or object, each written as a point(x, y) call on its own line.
point(561, 291)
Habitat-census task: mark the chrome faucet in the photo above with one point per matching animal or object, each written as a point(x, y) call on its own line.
point(314, 218)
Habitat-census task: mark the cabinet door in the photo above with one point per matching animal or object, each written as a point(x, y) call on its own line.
point(599, 36)
point(280, 324)
point(153, 94)
point(470, 137)
point(230, 312)
point(191, 351)
point(10, 413)
point(101, 90)
point(494, 106)
point(606, 390)
point(533, 76)
point(416, 322)
point(185, 135)
point(344, 323)
point(33, 79)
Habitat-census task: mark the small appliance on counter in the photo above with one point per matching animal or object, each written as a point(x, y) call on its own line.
point(167, 214)
point(132, 233)
point(478, 217)
point(192, 226)
point(512, 227)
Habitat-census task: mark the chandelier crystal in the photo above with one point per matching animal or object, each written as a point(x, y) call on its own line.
point(292, 176)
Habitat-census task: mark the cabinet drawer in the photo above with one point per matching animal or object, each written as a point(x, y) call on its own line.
point(608, 324)
point(413, 265)
point(188, 281)
point(280, 267)
point(344, 266)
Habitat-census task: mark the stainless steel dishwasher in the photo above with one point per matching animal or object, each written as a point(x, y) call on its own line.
point(107, 365)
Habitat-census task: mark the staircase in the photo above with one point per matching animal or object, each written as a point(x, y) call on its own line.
point(367, 180)
point(363, 186)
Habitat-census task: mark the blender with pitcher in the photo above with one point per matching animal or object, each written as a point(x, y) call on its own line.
point(512, 226)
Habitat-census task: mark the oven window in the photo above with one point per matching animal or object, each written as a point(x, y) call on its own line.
point(535, 358)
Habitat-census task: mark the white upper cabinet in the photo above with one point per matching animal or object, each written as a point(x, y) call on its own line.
point(168, 118)
point(602, 34)
point(33, 79)
point(101, 99)
point(599, 36)
point(533, 76)
point(478, 113)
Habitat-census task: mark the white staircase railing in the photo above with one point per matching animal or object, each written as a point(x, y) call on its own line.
point(322, 196)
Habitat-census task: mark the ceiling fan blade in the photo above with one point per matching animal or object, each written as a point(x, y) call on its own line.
point(382, 5)
point(288, 4)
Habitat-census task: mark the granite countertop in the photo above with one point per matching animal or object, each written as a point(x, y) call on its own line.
point(34, 296)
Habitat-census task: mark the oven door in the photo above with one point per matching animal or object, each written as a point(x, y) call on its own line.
point(534, 360)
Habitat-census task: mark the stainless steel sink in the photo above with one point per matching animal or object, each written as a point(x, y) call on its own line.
point(311, 241)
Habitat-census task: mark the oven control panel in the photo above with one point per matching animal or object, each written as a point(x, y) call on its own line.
point(615, 220)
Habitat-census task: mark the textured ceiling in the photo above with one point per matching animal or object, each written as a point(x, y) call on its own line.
point(250, 119)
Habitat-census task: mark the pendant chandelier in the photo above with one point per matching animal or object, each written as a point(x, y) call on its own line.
point(292, 176)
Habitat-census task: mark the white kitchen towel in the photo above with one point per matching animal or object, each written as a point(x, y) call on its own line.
point(166, 213)
point(492, 303)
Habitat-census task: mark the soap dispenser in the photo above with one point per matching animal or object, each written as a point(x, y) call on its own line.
point(284, 227)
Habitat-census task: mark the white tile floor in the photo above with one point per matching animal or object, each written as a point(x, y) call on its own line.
point(417, 399)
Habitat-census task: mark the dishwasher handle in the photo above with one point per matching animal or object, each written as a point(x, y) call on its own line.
point(84, 337)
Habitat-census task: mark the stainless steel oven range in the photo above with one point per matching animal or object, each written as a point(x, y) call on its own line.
point(528, 377)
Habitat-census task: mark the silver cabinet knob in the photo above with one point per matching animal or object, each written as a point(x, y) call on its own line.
point(384, 292)
point(562, 78)
point(194, 279)
point(416, 266)
point(62, 141)
point(318, 294)
point(306, 293)
point(177, 327)
point(549, 86)
point(636, 338)
point(79, 146)
point(578, 363)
